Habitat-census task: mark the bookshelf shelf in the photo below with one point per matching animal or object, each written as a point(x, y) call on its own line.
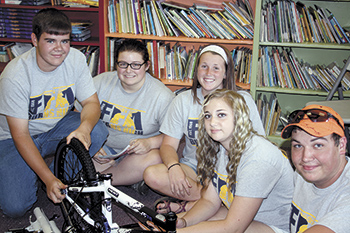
point(308, 53)
point(308, 45)
point(62, 8)
point(180, 39)
point(297, 91)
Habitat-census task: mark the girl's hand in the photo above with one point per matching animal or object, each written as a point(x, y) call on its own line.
point(98, 157)
point(179, 184)
point(139, 146)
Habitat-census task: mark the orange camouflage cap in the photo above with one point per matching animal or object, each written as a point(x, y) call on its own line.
point(316, 126)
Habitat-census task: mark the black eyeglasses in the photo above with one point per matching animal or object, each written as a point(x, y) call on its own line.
point(315, 115)
point(125, 65)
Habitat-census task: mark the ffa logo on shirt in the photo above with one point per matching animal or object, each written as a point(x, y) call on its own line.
point(300, 220)
point(51, 104)
point(192, 130)
point(221, 186)
point(121, 118)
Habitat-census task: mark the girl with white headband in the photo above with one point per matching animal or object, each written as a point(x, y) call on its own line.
point(176, 177)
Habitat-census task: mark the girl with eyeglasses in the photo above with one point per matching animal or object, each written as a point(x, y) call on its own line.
point(247, 181)
point(133, 105)
point(176, 177)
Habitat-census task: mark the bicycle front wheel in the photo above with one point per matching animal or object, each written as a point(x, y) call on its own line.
point(73, 165)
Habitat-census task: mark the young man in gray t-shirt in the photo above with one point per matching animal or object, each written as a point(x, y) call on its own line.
point(37, 92)
point(321, 200)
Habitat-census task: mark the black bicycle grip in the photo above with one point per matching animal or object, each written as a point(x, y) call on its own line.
point(171, 218)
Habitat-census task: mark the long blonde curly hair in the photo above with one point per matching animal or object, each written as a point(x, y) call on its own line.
point(208, 149)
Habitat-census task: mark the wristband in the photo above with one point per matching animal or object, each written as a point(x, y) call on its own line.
point(173, 165)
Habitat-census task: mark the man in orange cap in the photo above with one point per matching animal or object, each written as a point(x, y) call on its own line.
point(321, 200)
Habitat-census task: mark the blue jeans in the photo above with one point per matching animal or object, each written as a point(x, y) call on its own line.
point(18, 181)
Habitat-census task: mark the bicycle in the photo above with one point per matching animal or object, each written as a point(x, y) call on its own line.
point(89, 196)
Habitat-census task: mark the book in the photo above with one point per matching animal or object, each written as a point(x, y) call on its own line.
point(20, 48)
point(156, 19)
point(193, 26)
point(209, 22)
point(229, 34)
point(159, 17)
point(199, 26)
point(111, 17)
point(81, 38)
point(82, 33)
point(138, 16)
point(148, 29)
point(151, 21)
point(122, 11)
point(186, 27)
point(175, 5)
point(34, 2)
point(237, 12)
point(337, 27)
point(133, 17)
point(202, 23)
point(177, 23)
point(155, 58)
point(206, 7)
point(93, 62)
point(115, 156)
point(130, 16)
point(86, 2)
point(167, 24)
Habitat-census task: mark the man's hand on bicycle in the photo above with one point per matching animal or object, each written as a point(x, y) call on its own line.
point(53, 190)
point(83, 135)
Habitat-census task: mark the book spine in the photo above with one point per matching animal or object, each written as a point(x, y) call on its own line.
point(150, 18)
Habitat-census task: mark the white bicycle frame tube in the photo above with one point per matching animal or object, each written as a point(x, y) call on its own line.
point(109, 193)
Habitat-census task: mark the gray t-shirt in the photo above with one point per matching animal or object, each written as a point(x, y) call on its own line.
point(263, 172)
point(329, 207)
point(131, 115)
point(182, 119)
point(44, 98)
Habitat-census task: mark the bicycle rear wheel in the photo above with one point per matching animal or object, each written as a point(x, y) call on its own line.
point(73, 165)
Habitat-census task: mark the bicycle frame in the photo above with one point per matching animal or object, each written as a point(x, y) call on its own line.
point(103, 185)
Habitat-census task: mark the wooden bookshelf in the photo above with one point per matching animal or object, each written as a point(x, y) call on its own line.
point(186, 41)
point(312, 53)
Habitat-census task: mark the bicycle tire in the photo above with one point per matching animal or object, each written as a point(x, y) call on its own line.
point(73, 164)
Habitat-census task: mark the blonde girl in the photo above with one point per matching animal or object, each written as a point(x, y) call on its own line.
point(239, 169)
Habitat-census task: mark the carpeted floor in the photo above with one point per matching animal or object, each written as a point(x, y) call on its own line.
point(51, 210)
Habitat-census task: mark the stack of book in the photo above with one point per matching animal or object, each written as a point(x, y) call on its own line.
point(81, 31)
point(18, 22)
point(5, 52)
point(280, 68)
point(270, 112)
point(34, 2)
point(92, 58)
point(9, 51)
point(20, 48)
point(2, 23)
point(77, 3)
point(161, 18)
point(242, 59)
point(178, 62)
point(287, 21)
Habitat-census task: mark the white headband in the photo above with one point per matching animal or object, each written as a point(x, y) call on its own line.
point(215, 49)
